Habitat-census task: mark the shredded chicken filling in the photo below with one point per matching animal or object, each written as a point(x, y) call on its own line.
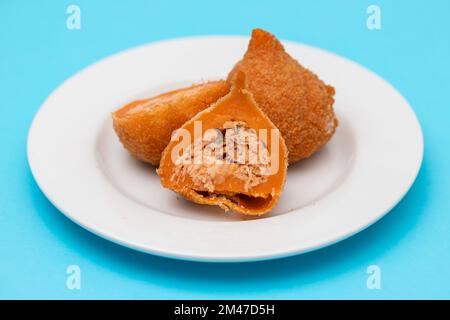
point(233, 150)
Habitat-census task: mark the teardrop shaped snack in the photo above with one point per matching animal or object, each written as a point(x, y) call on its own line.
point(144, 126)
point(293, 97)
point(230, 155)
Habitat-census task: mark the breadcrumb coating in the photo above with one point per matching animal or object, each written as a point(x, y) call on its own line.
point(294, 98)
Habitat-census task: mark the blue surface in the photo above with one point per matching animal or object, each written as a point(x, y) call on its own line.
point(411, 244)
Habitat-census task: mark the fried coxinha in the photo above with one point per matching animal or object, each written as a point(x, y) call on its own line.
point(293, 97)
point(241, 158)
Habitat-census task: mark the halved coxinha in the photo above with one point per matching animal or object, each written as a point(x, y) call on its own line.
point(230, 155)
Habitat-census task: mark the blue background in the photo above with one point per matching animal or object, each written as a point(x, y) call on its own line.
point(37, 243)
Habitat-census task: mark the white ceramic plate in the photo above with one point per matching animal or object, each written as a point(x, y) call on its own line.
point(82, 168)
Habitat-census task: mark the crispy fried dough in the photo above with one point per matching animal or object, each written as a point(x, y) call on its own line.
point(293, 97)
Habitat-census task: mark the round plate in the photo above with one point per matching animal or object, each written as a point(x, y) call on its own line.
point(84, 171)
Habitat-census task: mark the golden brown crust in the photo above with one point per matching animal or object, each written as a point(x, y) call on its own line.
point(293, 97)
point(144, 127)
